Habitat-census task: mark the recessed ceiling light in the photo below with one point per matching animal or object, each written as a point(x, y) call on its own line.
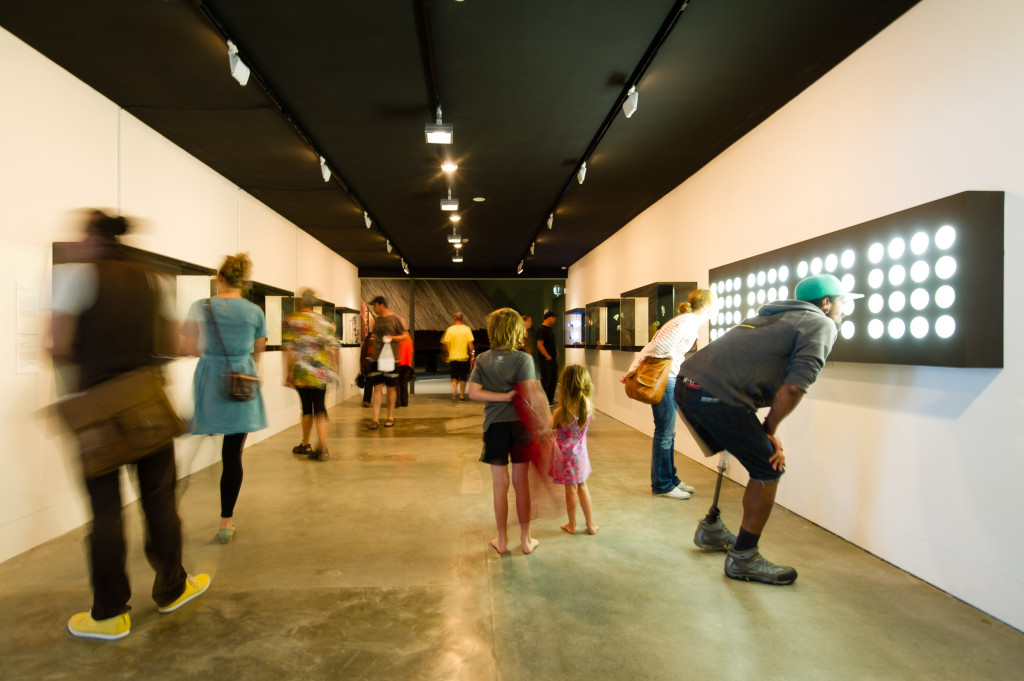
point(479, 199)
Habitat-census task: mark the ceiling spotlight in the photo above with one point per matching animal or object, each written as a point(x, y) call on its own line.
point(239, 71)
point(519, 270)
point(629, 106)
point(387, 244)
point(551, 220)
point(324, 170)
point(532, 247)
point(449, 167)
point(405, 266)
point(367, 220)
point(449, 204)
point(454, 237)
point(582, 174)
point(438, 133)
point(454, 217)
point(458, 245)
point(457, 256)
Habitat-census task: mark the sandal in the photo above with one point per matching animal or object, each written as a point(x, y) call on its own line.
point(302, 449)
point(374, 425)
point(388, 423)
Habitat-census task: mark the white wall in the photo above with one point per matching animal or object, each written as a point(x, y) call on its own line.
point(66, 147)
point(918, 465)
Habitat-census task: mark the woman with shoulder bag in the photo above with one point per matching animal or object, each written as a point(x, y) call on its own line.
point(673, 340)
point(232, 334)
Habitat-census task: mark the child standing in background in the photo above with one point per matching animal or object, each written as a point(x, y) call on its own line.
point(493, 380)
point(570, 465)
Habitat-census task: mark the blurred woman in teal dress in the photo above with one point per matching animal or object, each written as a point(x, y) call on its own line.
point(243, 329)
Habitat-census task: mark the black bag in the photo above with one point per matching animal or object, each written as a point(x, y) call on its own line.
point(237, 386)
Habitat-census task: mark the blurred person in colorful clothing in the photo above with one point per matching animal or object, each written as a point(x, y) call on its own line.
point(311, 363)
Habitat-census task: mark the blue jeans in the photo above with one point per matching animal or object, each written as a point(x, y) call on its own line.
point(663, 449)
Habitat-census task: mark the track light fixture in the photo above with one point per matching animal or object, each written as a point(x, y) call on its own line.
point(457, 256)
point(367, 219)
point(551, 220)
point(239, 71)
point(454, 217)
point(449, 167)
point(324, 170)
point(582, 174)
point(519, 270)
point(629, 106)
point(439, 133)
point(449, 203)
point(405, 266)
point(387, 244)
point(454, 237)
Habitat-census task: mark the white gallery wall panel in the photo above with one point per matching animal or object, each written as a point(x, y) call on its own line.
point(269, 240)
point(907, 462)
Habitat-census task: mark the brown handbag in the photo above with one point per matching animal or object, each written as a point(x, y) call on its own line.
point(238, 387)
point(647, 383)
point(121, 420)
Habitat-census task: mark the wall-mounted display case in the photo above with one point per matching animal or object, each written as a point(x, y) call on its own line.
point(601, 324)
point(662, 300)
point(574, 320)
point(346, 322)
point(634, 330)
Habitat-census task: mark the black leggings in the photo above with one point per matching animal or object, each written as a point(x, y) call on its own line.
point(231, 474)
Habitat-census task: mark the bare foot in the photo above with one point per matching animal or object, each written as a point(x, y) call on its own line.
point(498, 547)
point(570, 529)
point(529, 546)
point(592, 529)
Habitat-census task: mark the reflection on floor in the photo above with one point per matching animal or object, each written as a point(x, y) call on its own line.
point(375, 565)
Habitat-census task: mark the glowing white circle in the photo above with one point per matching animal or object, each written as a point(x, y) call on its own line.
point(919, 327)
point(772, 275)
point(876, 302)
point(849, 305)
point(945, 326)
point(728, 301)
point(751, 297)
point(721, 318)
point(816, 266)
point(919, 299)
point(876, 328)
point(897, 275)
point(945, 237)
point(760, 296)
point(831, 262)
point(848, 282)
point(919, 271)
point(761, 277)
point(783, 273)
point(896, 248)
point(919, 243)
point(945, 296)
point(751, 280)
point(875, 278)
point(736, 300)
point(848, 329)
point(897, 328)
point(772, 295)
point(783, 292)
point(945, 267)
point(848, 258)
point(801, 269)
point(897, 301)
point(751, 312)
point(875, 252)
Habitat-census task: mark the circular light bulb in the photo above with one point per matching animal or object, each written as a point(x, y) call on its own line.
point(896, 248)
point(897, 275)
point(919, 243)
point(875, 252)
point(816, 266)
point(831, 262)
point(945, 326)
point(801, 269)
point(919, 327)
point(945, 267)
point(876, 328)
point(919, 271)
point(848, 258)
point(875, 303)
point(783, 273)
point(945, 237)
point(897, 328)
point(919, 299)
point(876, 278)
point(945, 296)
point(848, 329)
point(897, 301)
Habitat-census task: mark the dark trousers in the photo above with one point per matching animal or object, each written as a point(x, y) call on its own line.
point(107, 553)
point(231, 473)
point(549, 376)
point(405, 373)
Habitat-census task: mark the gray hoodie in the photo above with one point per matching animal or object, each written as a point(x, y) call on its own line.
point(787, 342)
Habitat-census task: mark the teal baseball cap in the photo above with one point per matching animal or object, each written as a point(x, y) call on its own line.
point(820, 286)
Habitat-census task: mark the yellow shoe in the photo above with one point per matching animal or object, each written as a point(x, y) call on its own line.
point(194, 586)
point(110, 629)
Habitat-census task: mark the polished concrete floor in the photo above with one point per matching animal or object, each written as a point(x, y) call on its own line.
point(376, 565)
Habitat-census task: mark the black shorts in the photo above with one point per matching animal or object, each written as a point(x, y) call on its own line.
point(504, 440)
point(374, 377)
point(312, 400)
point(458, 369)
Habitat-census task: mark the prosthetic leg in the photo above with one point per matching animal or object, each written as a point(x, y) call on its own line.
point(711, 534)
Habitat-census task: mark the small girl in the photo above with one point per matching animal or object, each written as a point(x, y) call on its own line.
point(493, 380)
point(570, 465)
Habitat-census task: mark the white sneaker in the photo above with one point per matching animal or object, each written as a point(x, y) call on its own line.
point(675, 493)
point(683, 486)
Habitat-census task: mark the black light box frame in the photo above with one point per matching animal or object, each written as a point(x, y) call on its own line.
point(899, 262)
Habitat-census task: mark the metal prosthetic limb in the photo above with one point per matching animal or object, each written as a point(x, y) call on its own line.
point(714, 512)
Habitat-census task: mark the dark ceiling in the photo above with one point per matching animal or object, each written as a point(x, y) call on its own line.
point(533, 89)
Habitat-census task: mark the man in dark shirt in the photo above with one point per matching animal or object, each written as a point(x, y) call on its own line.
point(769, 360)
point(547, 355)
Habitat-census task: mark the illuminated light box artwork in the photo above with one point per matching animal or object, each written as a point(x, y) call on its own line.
point(932, 279)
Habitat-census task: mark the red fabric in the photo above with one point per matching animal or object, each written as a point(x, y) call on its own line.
point(532, 408)
point(405, 352)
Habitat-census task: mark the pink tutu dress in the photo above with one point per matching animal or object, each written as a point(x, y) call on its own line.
point(570, 464)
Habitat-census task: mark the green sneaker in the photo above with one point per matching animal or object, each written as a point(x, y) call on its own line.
point(751, 567)
point(110, 629)
point(713, 536)
point(194, 586)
